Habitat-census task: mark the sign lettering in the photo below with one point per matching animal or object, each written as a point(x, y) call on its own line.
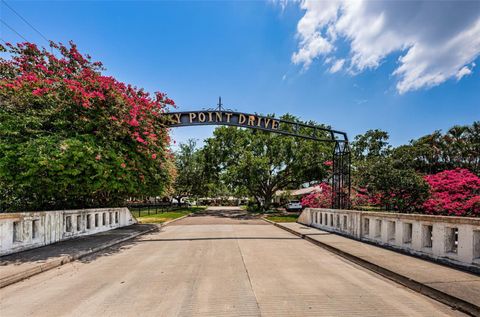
point(241, 119)
point(212, 117)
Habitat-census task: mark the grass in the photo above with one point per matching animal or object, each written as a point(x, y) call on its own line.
point(284, 218)
point(161, 216)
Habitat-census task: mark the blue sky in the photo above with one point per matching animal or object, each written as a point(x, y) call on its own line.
point(244, 51)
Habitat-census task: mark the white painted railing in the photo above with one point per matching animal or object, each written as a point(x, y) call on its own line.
point(455, 240)
point(27, 230)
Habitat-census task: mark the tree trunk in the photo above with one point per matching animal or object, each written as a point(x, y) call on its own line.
point(267, 201)
point(259, 202)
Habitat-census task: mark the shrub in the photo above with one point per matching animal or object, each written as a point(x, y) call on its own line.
point(453, 192)
point(319, 199)
point(72, 137)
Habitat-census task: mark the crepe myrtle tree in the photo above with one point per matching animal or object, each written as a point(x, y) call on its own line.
point(73, 137)
point(453, 192)
point(260, 163)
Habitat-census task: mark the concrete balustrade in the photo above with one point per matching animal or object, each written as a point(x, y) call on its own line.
point(27, 230)
point(453, 240)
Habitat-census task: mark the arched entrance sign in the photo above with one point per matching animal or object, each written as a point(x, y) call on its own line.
point(222, 116)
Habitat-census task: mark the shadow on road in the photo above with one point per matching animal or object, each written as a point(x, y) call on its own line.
point(73, 247)
point(76, 246)
point(228, 212)
point(219, 238)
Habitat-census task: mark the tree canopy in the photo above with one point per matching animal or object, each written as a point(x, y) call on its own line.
point(259, 163)
point(401, 178)
point(190, 163)
point(72, 137)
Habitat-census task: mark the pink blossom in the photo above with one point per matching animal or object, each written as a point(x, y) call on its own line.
point(39, 91)
point(454, 192)
point(133, 122)
point(319, 199)
point(74, 77)
point(42, 67)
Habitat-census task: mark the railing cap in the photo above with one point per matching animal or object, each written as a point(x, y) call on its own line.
point(404, 216)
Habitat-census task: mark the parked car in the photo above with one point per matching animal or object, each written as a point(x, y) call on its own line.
point(293, 205)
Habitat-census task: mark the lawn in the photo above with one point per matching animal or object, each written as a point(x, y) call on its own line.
point(160, 216)
point(283, 218)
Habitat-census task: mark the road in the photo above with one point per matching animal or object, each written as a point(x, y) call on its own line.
point(214, 266)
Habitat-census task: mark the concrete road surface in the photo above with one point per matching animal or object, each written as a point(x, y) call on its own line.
point(220, 266)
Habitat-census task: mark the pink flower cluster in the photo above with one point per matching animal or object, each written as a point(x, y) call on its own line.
point(72, 76)
point(319, 199)
point(453, 192)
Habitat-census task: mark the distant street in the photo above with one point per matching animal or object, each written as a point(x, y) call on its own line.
point(217, 264)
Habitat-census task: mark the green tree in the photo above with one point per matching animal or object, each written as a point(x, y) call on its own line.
point(71, 137)
point(387, 174)
point(190, 180)
point(373, 143)
point(393, 188)
point(260, 163)
point(473, 147)
point(459, 147)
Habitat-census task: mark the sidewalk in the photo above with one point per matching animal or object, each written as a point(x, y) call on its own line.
point(18, 266)
point(450, 286)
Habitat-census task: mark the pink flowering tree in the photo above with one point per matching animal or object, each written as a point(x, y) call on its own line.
point(322, 198)
point(360, 198)
point(71, 136)
point(453, 192)
point(319, 199)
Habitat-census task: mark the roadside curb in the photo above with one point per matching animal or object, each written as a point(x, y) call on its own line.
point(166, 223)
point(419, 287)
point(12, 279)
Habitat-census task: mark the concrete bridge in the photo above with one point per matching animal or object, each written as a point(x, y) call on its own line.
point(217, 264)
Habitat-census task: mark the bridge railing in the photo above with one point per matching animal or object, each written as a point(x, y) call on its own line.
point(27, 230)
point(451, 240)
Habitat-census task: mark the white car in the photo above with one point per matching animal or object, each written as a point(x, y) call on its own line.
point(293, 205)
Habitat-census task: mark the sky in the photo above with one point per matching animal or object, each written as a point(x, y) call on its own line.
point(406, 67)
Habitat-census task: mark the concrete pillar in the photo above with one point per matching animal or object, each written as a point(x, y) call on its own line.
point(465, 251)
point(438, 243)
point(399, 233)
point(416, 236)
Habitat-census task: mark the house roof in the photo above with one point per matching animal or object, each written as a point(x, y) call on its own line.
point(299, 192)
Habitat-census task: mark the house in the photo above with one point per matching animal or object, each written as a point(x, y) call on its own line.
point(294, 194)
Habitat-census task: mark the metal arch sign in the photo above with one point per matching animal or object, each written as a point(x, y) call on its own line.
point(253, 121)
point(221, 116)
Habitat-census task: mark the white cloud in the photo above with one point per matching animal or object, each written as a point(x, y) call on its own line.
point(437, 40)
point(360, 101)
point(282, 3)
point(316, 46)
point(464, 71)
point(337, 66)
